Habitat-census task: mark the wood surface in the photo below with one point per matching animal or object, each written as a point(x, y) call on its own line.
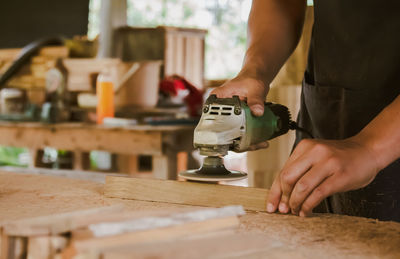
point(154, 235)
point(219, 245)
point(99, 177)
point(321, 236)
point(190, 193)
point(145, 140)
point(45, 247)
point(162, 142)
point(54, 52)
point(53, 224)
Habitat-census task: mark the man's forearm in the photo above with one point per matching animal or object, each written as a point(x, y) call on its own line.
point(382, 134)
point(274, 29)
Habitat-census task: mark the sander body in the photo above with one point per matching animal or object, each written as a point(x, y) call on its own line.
point(227, 124)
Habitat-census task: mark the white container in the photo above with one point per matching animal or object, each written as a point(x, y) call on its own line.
point(11, 101)
point(141, 89)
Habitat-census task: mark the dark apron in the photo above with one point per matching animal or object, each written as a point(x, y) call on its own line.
point(353, 73)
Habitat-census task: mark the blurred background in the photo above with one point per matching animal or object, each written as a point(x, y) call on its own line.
point(162, 58)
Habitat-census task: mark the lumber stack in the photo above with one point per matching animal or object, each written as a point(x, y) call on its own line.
point(31, 75)
point(95, 232)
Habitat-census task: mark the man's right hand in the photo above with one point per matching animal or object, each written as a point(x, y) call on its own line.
point(249, 89)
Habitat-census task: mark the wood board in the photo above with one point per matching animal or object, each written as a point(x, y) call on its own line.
point(97, 245)
point(200, 194)
point(54, 224)
point(220, 245)
point(82, 137)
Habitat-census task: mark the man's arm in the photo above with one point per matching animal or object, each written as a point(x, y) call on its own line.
point(320, 168)
point(274, 29)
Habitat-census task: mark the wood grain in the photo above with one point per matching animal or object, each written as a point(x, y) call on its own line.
point(41, 247)
point(55, 223)
point(201, 194)
point(321, 236)
point(222, 245)
point(82, 137)
point(156, 235)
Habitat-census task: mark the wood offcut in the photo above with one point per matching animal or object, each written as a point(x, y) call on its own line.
point(200, 194)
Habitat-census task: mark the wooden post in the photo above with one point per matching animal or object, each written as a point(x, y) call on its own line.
point(45, 247)
point(36, 156)
point(127, 164)
point(78, 160)
point(165, 166)
point(112, 15)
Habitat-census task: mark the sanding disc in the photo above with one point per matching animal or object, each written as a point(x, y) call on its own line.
point(196, 175)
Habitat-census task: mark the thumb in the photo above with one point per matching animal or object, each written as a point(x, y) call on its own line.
point(256, 106)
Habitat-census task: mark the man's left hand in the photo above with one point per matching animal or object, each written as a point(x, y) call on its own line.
point(318, 169)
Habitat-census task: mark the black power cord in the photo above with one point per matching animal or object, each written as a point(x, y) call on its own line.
point(293, 126)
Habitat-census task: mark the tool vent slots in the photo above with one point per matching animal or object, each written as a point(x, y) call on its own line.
point(226, 111)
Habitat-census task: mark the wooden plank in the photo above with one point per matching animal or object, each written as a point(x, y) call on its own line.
point(190, 193)
point(53, 224)
point(116, 140)
point(219, 245)
point(45, 247)
point(91, 176)
point(51, 52)
point(13, 247)
point(9, 54)
point(96, 245)
point(55, 52)
point(39, 247)
point(148, 227)
point(81, 71)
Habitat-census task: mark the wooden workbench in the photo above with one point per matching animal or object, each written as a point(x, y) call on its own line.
point(161, 142)
point(321, 236)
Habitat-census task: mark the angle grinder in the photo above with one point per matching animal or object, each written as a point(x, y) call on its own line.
point(227, 124)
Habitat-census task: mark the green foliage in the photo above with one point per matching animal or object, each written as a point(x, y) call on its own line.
point(10, 156)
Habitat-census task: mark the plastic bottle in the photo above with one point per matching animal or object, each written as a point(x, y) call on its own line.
point(105, 96)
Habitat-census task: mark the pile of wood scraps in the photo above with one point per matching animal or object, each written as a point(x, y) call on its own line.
point(94, 232)
point(31, 75)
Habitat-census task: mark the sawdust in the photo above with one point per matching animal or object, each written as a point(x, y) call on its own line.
point(327, 236)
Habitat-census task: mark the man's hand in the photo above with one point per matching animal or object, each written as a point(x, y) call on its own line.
point(318, 169)
point(252, 90)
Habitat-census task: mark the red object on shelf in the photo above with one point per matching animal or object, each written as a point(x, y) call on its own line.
point(194, 100)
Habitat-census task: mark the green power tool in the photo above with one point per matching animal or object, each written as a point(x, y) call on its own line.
point(227, 124)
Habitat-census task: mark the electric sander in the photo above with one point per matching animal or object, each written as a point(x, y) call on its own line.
point(227, 124)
